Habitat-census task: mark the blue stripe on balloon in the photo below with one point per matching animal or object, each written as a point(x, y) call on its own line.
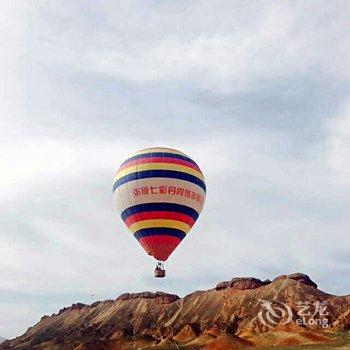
point(171, 207)
point(159, 173)
point(156, 231)
point(160, 154)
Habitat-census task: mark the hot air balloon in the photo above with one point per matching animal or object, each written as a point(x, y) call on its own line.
point(159, 193)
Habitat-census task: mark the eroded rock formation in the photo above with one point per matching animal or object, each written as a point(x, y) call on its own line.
point(225, 317)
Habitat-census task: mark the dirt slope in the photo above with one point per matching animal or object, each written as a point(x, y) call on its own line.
point(225, 317)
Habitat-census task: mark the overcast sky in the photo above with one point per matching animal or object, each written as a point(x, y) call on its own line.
point(257, 92)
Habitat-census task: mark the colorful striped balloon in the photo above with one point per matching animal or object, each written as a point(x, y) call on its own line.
point(159, 193)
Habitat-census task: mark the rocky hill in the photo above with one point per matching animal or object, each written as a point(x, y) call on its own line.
point(240, 313)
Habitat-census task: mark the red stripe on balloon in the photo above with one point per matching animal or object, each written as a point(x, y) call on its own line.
point(166, 215)
point(160, 160)
point(159, 246)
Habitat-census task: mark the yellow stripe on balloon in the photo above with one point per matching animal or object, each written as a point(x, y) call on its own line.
point(159, 223)
point(158, 166)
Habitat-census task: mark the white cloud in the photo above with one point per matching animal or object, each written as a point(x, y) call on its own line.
point(278, 40)
point(339, 146)
point(272, 203)
point(233, 47)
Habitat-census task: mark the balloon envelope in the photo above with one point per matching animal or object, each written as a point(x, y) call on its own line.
point(159, 193)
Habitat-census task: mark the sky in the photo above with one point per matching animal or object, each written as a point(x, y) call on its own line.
point(257, 92)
